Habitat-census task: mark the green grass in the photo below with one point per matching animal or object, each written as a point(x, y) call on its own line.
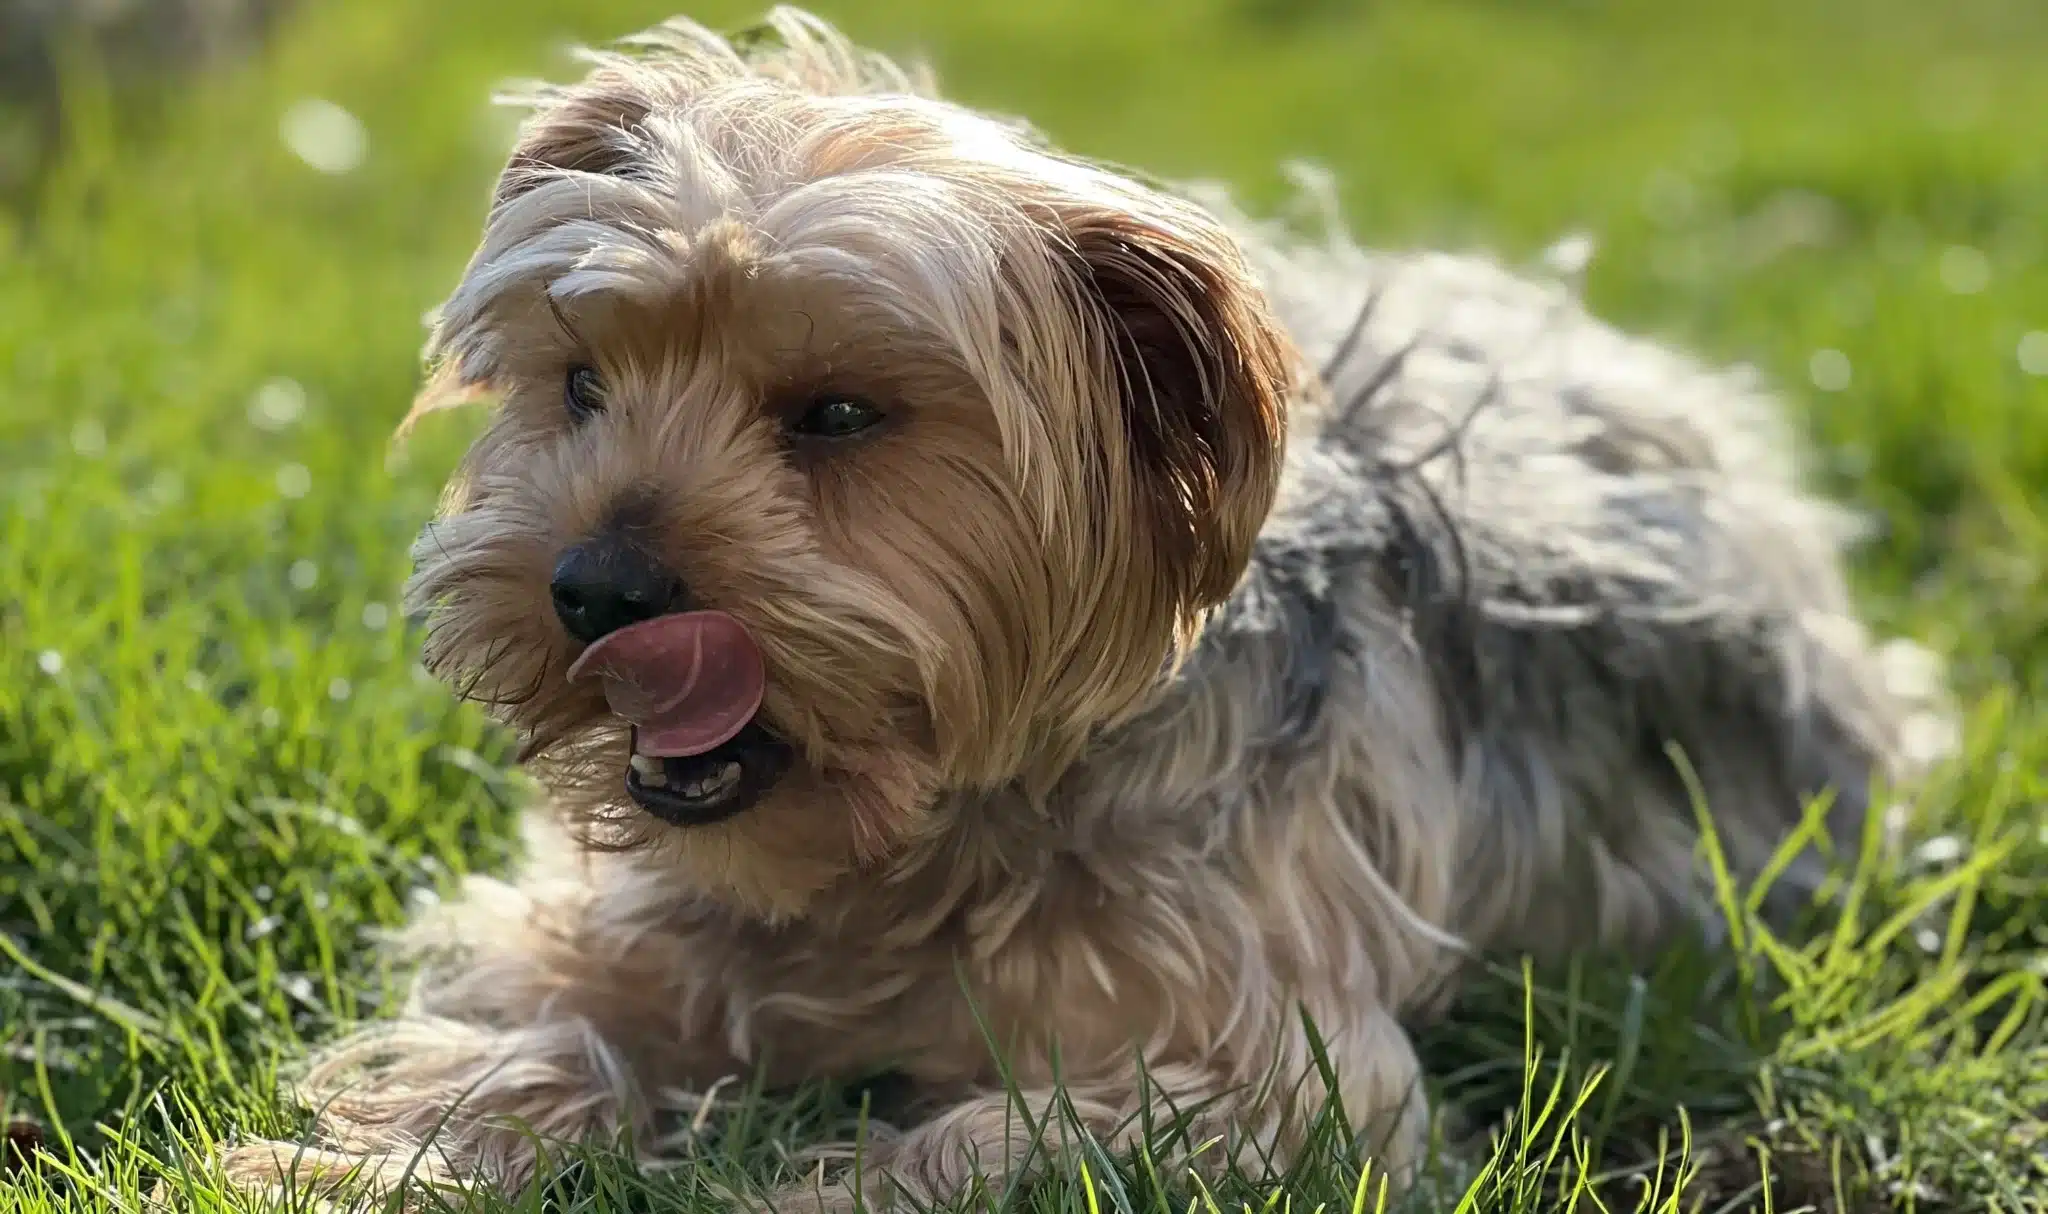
point(219, 766)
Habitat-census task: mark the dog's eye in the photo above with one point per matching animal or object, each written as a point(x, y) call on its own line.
point(835, 417)
point(583, 392)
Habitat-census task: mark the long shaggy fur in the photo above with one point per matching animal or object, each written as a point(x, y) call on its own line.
point(1236, 625)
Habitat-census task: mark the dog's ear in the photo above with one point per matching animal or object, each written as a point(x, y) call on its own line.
point(587, 129)
point(1203, 370)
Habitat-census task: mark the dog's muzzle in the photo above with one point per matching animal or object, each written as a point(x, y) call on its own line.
point(689, 682)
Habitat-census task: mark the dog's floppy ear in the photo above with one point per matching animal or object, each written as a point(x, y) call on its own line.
point(1203, 372)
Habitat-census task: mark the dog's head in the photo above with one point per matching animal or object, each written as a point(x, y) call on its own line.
point(850, 448)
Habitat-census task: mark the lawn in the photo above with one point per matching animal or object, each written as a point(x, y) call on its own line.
point(220, 767)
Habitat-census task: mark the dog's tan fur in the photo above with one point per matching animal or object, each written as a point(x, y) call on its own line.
point(1095, 714)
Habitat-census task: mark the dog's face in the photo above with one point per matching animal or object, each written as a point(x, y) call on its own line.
point(860, 449)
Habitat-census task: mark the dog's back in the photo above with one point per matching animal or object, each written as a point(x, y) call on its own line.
point(1599, 550)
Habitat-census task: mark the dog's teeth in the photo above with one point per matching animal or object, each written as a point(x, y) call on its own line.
point(652, 772)
point(717, 784)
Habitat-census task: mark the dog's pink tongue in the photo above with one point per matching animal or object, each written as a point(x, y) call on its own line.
point(690, 682)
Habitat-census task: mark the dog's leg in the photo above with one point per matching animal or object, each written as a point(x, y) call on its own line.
point(1252, 1109)
point(434, 1101)
point(552, 1009)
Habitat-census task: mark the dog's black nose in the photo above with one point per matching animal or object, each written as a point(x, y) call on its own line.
point(604, 584)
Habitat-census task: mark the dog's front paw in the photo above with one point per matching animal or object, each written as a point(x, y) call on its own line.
point(292, 1176)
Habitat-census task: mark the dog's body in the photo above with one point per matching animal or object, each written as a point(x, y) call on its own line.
point(1504, 559)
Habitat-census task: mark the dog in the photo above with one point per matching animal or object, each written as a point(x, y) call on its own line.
point(966, 605)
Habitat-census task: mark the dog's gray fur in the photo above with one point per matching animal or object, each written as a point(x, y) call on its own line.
point(1597, 551)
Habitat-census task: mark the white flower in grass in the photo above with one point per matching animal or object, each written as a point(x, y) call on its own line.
point(324, 135)
point(1829, 370)
point(2033, 353)
point(277, 404)
point(1570, 254)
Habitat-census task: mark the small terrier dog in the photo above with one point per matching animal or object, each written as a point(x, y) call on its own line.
point(967, 605)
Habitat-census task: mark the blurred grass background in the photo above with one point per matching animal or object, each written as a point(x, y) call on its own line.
point(219, 767)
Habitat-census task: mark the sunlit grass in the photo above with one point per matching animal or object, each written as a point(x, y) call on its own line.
point(219, 766)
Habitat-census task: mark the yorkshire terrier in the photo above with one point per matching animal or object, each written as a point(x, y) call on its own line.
point(979, 615)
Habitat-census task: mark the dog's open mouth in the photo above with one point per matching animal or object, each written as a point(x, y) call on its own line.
point(691, 685)
point(697, 790)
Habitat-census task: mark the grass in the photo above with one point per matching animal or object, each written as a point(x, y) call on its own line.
point(219, 767)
